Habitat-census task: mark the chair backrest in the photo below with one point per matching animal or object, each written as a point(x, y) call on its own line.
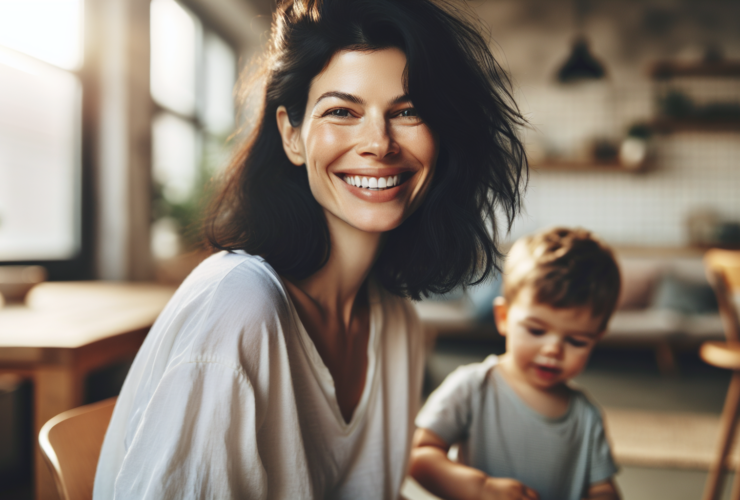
point(723, 272)
point(71, 443)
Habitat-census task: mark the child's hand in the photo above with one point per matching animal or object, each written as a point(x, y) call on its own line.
point(453, 481)
point(500, 488)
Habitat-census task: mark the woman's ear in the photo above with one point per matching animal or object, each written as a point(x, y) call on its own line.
point(291, 137)
point(500, 313)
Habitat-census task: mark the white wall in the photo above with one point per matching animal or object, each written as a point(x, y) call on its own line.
point(690, 171)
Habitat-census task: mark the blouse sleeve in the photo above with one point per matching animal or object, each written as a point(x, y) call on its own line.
point(195, 439)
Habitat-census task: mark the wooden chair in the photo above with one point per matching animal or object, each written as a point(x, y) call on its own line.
point(723, 272)
point(71, 444)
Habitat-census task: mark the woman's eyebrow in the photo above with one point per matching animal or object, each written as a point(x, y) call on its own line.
point(340, 95)
point(358, 100)
point(400, 99)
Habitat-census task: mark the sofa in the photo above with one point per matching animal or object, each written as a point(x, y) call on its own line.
point(666, 304)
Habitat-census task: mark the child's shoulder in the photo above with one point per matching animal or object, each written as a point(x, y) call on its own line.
point(584, 403)
point(471, 375)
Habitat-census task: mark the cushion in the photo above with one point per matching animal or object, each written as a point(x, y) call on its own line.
point(684, 296)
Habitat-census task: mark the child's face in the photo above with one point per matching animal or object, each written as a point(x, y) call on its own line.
point(545, 346)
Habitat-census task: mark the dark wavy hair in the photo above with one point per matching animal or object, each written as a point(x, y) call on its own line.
point(266, 207)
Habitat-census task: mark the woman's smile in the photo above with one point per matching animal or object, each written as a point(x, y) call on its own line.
point(373, 183)
point(376, 189)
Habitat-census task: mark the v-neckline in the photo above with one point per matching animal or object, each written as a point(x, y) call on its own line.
point(321, 371)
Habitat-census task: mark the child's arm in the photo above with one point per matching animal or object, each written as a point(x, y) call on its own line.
point(605, 490)
point(452, 481)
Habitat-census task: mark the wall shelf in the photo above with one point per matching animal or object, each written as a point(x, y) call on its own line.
point(583, 166)
point(663, 70)
point(667, 125)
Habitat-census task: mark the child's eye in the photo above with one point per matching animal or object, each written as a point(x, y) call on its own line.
point(536, 331)
point(576, 342)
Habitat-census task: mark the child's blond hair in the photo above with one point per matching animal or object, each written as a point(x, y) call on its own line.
point(565, 268)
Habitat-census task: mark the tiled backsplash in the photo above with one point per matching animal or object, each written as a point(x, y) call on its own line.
point(691, 171)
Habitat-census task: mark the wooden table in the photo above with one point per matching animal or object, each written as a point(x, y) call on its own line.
point(65, 331)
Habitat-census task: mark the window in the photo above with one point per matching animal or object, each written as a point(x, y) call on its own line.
point(40, 130)
point(193, 72)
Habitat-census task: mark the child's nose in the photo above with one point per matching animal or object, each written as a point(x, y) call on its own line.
point(553, 345)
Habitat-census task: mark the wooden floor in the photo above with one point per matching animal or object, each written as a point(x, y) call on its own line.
point(661, 439)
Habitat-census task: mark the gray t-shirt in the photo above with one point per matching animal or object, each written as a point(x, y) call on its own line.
point(502, 436)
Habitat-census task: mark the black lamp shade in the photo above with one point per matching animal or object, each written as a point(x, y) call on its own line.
point(581, 64)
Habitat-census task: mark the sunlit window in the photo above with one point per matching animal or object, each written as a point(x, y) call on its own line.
point(40, 130)
point(175, 157)
point(219, 75)
point(49, 30)
point(175, 36)
point(193, 71)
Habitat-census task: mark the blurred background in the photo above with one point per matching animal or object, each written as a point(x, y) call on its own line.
point(115, 114)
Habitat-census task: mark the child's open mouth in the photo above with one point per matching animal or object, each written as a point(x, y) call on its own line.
point(547, 372)
point(376, 183)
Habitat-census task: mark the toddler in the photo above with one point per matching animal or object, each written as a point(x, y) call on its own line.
point(524, 432)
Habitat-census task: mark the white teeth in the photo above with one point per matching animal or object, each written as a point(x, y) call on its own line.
point(372, 182)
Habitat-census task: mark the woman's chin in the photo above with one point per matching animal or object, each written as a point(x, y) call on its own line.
point(374, 224)
point(375, 227)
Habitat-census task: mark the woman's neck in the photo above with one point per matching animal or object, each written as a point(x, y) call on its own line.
point(333, 307)
point(334, 288)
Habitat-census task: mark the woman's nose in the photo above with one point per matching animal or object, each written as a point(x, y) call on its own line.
point(376, 139)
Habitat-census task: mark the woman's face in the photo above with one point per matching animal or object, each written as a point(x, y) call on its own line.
point(369, 157)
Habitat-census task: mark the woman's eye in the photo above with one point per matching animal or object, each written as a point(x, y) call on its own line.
point(536, 331)
point(339, 112)
point(408, 113)
point(576, 342)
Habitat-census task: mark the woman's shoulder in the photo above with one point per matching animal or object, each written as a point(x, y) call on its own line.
point(228, 303)
point(226, 278)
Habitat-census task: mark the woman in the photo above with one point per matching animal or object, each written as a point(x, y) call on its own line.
point(289, 366)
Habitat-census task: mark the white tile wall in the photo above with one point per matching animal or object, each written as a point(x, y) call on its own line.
point(692, 171)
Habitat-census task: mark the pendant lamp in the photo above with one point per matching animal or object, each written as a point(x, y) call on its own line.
point(581, 64)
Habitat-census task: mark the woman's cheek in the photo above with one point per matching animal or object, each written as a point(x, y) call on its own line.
point(326, 144)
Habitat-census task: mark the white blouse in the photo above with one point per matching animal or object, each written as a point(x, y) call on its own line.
point(229, 398)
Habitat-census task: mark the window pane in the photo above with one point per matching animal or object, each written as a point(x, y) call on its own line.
point(219, 78)
point(39, 160)
point(174, 143)
point(50, 30)
point(174, 44)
